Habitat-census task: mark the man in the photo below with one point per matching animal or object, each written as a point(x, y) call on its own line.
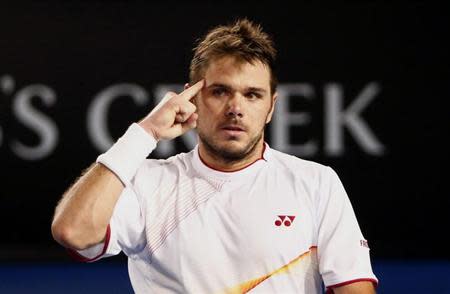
point(232, 215)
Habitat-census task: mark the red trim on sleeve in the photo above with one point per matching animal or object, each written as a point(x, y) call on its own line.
point(78, 257)
point(330, 288)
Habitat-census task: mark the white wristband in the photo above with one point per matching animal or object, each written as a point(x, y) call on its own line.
point(126, 156)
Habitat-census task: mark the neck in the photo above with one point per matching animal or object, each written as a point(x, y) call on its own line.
point(216, 162)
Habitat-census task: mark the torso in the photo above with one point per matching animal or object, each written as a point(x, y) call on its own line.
point(212, 233)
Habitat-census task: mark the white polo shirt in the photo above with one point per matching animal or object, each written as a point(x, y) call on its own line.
point(280, 225)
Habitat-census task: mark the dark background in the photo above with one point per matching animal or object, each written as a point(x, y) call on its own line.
point(78, 48)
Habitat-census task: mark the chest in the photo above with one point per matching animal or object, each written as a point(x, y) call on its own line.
point(231, 234)
point(258, 221)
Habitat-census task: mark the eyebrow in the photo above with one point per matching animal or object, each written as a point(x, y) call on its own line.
point(249, 89)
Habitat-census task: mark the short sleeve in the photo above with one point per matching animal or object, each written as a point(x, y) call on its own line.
point(342, 250)
point(125, 232)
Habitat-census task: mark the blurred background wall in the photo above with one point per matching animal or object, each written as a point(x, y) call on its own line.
point(363, 88)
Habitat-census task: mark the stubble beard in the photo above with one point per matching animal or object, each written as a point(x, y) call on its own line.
point(226, 155)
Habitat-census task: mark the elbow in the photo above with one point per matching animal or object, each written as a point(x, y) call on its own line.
point(67, 236)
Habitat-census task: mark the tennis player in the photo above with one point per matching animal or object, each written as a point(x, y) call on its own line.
point(231, 216)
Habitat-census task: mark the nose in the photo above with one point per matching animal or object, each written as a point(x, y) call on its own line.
point(234, 107)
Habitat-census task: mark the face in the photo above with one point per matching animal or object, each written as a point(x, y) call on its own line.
point(234, 107)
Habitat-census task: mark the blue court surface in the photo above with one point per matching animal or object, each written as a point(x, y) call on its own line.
point(422, 277)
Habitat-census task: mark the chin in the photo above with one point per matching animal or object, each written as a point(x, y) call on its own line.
point(232, 153)
point(229, 149)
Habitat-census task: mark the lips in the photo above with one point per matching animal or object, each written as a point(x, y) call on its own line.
point(233, 128)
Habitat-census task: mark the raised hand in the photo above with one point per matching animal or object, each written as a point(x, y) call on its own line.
point(174, 115)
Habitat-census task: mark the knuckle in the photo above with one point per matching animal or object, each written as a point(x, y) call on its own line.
point(172, 103)
point(171, 94)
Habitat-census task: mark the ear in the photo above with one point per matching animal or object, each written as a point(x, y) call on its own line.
point(272, 107)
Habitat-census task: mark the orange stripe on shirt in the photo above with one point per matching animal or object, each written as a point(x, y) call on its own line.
point(250, 284)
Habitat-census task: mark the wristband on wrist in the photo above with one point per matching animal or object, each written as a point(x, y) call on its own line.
point(126, 156)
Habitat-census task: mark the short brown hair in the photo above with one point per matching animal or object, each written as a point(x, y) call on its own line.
point(243, 39)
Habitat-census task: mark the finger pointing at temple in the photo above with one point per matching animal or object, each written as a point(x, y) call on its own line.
point(174, 115)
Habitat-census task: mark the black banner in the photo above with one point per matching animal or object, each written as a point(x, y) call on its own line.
point(363, 88)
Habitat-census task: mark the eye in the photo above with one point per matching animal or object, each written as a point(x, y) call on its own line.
point(253, 95)
point(219, 92)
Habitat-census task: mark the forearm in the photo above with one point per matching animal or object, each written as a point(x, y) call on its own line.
point(83, 214)
point(356, 288)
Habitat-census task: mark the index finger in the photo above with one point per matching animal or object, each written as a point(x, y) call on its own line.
point(190, 92)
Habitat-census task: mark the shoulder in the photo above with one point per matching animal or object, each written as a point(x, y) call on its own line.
point(317, 180)
point(153, 172)
point(178, 162)
point(315, 177)
point(306, 169)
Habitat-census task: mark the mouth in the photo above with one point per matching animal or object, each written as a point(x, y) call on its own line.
point(233, 129)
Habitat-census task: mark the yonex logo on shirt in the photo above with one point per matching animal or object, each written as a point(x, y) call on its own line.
point(285, 220)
